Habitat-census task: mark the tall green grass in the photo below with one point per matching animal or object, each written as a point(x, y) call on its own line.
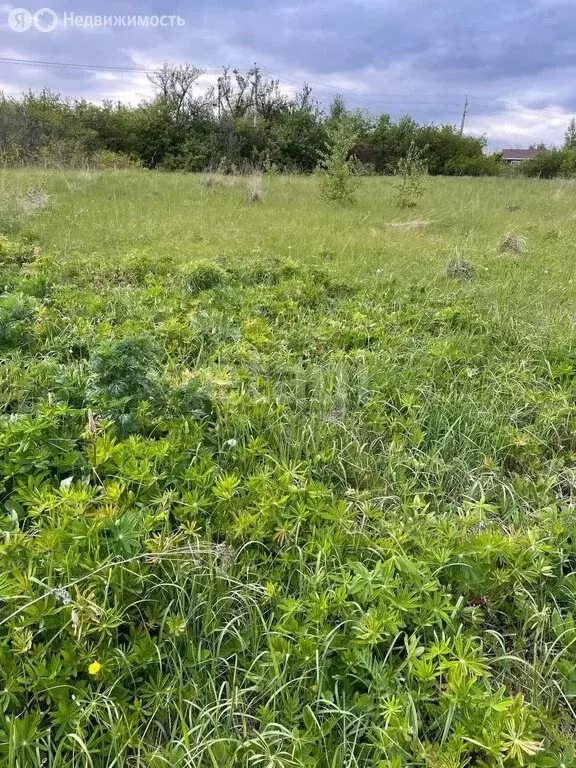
point(107, 217)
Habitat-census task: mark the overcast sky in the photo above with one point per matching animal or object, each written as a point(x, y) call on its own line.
point(515, 59)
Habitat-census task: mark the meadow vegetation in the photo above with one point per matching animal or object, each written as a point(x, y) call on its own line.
point(286, 484)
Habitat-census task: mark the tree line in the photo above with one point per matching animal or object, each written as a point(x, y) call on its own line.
point(243, 122)
point(553, 162)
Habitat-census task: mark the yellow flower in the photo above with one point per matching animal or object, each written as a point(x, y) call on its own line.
point(94, 668)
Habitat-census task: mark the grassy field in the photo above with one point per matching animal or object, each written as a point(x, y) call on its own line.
point(276, 487)
point(103, 218)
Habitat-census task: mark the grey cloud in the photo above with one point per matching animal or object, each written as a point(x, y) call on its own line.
point(412, 52)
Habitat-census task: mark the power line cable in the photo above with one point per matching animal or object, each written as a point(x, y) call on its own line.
point(90, 67)
point(350, 93)
point(67, 65)
point(362, 99)
point(329, 89)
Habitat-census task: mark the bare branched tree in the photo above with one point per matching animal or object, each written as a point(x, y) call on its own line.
point(174, 85)
point(242, 94)
point(235, 92)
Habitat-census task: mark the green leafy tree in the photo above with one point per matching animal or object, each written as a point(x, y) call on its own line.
point(546, 164)
point(336, 171)
point(570, 135)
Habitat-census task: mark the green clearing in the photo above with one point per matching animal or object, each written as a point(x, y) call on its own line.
point(274, 490)
point(104, 217)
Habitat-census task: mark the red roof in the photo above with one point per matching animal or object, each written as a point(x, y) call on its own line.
point(518, 154)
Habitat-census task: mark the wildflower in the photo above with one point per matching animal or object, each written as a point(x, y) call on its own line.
point(232, 443)
point(94, 668)
point(62, 595)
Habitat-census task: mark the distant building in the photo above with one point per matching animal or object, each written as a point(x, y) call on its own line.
point(513, 156)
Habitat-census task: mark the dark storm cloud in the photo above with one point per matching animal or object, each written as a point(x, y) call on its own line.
point(415, 56)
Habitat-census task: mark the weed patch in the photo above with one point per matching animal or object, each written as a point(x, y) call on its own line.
point(256, 513)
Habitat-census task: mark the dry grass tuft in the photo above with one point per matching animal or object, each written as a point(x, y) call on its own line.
point(460, 268)
point(513, 244)
point(89, 174)
point(255, 191)
point(561, 186)
point(409, 225)
point(212, 181)
point(216, 180)
point(33, 201)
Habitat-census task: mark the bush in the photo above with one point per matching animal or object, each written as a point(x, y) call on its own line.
point(166, 134)
point(547, 164)
point(482, 165)
point(569, 163)
point(337, 170)
point(105, 159)
point(412, 172)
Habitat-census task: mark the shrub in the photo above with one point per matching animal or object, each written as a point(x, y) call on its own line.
point(269, 166)
point(192, 156)
point(569, 163)
point(481, 165)
point(412, 172)
point(337, 169)
point(547, 164)
point(105, 159)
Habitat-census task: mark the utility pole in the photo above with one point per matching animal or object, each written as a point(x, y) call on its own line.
point(219, 98)
point(464, 113)
point(256, 76)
